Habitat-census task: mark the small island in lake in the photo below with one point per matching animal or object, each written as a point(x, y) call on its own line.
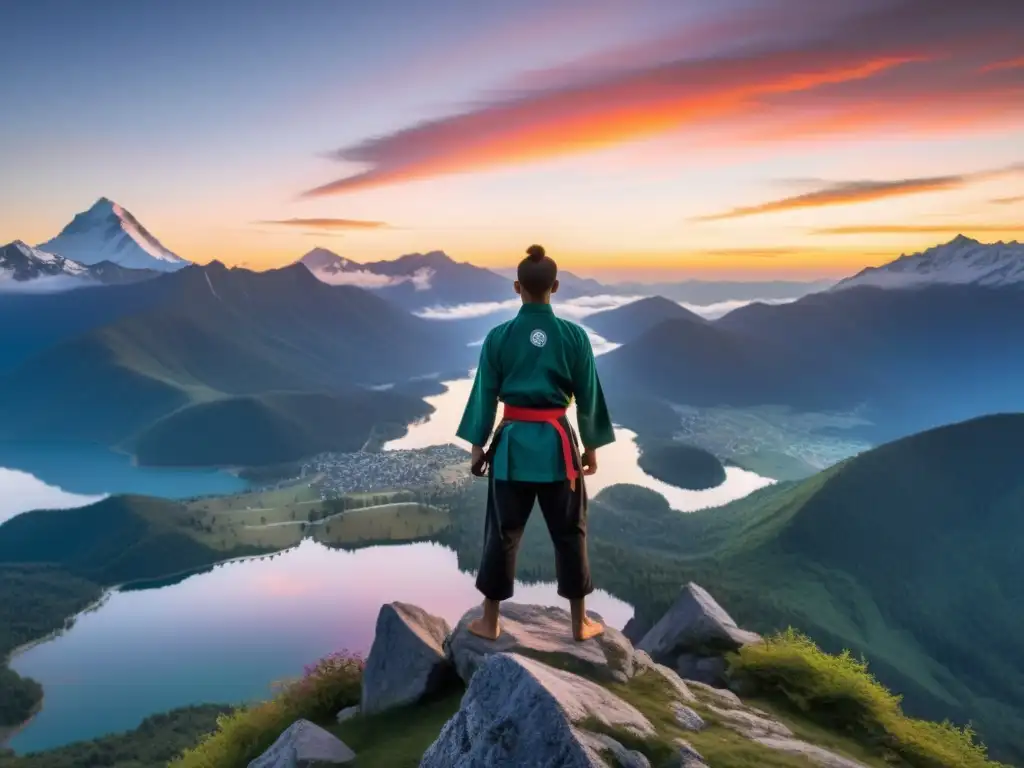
point(684, 466)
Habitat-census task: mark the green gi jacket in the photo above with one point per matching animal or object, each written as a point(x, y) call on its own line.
point(536, 360)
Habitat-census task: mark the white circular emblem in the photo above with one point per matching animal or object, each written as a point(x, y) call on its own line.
point(538, 338)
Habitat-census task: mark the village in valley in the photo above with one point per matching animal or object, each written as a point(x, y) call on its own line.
point(333, 475)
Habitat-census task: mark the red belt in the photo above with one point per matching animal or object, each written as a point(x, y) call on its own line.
point(552, 416)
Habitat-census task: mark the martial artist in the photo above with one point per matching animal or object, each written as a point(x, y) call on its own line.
point(535, 365)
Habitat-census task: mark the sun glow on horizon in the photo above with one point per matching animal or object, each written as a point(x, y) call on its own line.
point(705, 141)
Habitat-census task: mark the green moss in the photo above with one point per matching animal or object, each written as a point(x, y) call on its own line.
point(398, 739)
point(839, 693)
point(653, 696)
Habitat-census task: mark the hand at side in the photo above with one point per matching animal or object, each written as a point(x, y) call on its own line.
point(476, 461)
point(589, 461)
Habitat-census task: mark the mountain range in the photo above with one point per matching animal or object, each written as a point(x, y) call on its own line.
point(906, 357)
point(109, 365)
point(905, 554)
point(22, 265)
point(414, 281)
point(122, 358)
point(962, 261)
point(107, 236)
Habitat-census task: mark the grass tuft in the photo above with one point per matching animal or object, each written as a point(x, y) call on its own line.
point(328, 686)
point(840, 693)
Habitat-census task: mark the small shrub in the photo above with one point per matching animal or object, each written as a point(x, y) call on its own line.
point(840, 693)
point(326, 687)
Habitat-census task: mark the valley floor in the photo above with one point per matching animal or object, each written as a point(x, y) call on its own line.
point(772, 440)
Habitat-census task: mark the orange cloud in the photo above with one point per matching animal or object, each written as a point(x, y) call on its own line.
point(996, 66)
point(1008, 200)
point(914, 229)
point(885, 56)
point(847, 192)
point(328, 223)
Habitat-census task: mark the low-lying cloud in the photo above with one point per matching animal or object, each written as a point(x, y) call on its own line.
point(723, 308)
point(579, 309)
point(45, 284)
point(421, 279)
point(573, 309)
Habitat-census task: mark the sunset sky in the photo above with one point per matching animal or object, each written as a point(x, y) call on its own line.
point(726, 138)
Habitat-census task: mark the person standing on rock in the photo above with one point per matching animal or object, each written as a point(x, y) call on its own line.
point(535, 365)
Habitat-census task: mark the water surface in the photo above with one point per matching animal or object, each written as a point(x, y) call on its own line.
point(93, 470)
point(226, 635)
point(21, 492)
point(618, 462)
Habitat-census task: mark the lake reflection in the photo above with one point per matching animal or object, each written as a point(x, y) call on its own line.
point(94, 470)
point(619, 462)
point(21, 492)
point(226, 635)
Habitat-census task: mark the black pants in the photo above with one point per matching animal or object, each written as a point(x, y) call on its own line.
point(509, 504)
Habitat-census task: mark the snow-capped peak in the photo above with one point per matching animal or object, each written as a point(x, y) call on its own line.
point(21, 262)
point(109, 232)
point(323, 260)
point(961, 261)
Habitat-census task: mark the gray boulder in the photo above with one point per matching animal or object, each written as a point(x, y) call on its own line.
point(752, 726)
point(688, 756)
point(695, 624)
point(816, 755)
point(304, 745)
point(542, 633)
point(720, 696)
point(407, 660)
point(635, 629)
point(687, 717)
point(604, 744)
point(704, 669)
point(520, 712)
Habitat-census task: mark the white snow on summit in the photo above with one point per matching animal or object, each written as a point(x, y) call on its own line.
point(961, 261)
point(108, 232)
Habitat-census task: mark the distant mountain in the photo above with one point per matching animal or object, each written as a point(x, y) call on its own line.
point(203, 334)
point(908, 360)
point(414, 281)
point(631, 321)
point(108, 232)
point(706, 292)
point(258, 430)
point(109, 273)
point(961, 261)
point(23, 263)
point(24, 268)
point(907, 554)
point(700, 292)
point(121, 538)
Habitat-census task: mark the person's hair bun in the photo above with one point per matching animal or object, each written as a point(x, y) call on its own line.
point(535, 253)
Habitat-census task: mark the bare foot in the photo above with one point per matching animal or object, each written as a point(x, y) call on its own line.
point(482, 628)
point(589, 629)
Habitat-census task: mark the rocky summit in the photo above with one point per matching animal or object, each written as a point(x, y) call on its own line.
point(535, 697)
point(518, 711)
point(543, 633)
